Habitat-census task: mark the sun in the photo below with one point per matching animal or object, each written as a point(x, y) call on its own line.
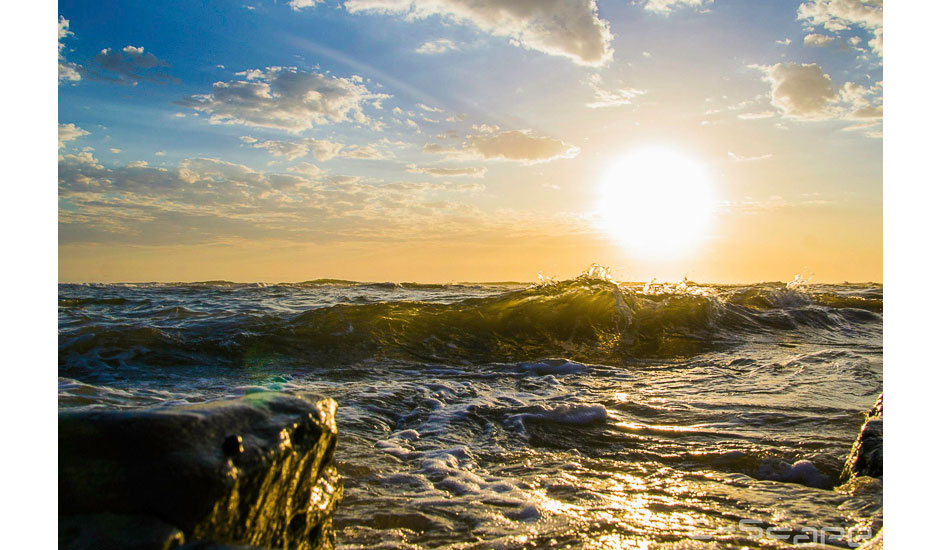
point(656, 203)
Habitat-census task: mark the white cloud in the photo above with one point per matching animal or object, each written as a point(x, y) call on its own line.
point(467, 171)
point(425, 107)
point(298, 5)
point(818, 40)
point(666, 7)
point(115, 151)
point(604, 97)
point(740, 158)
point(440, 45)
point(838, 15)
point(67, 71)
point(62, 32)
point(756, 115)
point(69, 132)
point(568, 28)
point(785, 42)
point(285, 98)
point(514, 145)
point(485, 128)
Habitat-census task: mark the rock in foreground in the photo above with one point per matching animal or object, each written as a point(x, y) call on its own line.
point(867, 453)
point(256, 470)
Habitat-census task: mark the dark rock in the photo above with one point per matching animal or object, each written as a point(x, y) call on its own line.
point(117, 532)
point(867, 453)
point(257, 470)
point(217, 546)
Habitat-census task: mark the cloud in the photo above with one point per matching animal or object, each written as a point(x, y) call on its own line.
point(871, 129)
point(756, 115)
point(818, 40)
point(567, 28)
point(129, 66)
point(522, 146)
point(298, 5)
point(67, 71)
point(468, 171)
point(514, 145)
point(804, 92)
point(440, 45)
point(308, 170)
point(485, 128)
point(740, 158)
point(801, 91)
point(322, 150)
point(285, 98)
point(69, 132)
point(784, 42)
point(365, 152)
point(610, 98)
point(839, 15)
point(667, 7)
point(212, 200)
point(425, 107)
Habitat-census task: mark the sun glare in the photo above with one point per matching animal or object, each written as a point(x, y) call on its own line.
point(656, 203)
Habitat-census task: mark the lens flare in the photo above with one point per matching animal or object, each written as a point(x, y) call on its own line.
point(656, 203)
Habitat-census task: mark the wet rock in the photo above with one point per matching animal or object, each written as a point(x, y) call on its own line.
point(251, 471)
point(867, 453)
point(117, 532)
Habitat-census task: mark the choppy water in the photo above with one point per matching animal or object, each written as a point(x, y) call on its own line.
point(582, 413)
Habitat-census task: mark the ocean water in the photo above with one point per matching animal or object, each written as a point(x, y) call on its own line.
point(582, 413)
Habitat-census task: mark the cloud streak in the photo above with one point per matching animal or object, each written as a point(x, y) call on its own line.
point(666, 7)
point(441, 171)
point(521, 146)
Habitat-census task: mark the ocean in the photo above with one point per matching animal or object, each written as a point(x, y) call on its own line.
point(583, 413)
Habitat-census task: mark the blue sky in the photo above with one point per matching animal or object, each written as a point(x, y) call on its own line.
point(470, 135)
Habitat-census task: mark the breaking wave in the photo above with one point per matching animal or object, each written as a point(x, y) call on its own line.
point(587, 319)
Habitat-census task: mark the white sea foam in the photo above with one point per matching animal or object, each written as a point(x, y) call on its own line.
point(574, 414)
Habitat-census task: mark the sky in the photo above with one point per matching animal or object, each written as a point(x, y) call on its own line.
point(463, 140)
